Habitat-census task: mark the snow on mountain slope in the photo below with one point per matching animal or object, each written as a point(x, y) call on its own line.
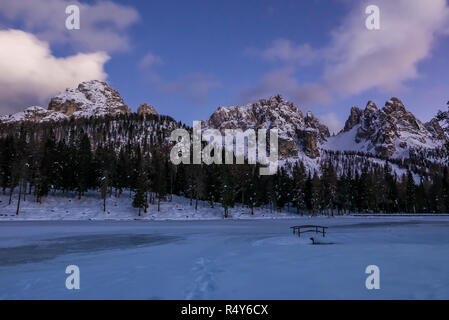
point(345, 141)
point(34, 113)
point(389, 132)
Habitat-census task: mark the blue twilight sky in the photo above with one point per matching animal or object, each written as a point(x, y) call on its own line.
point(189, 57)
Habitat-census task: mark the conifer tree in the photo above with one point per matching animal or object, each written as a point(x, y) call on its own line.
point(228, 190)
point(329, 188)
point(364, 190)
point(104, 185)
point(6, 162)
point(199, 183)
point(308, 192)
point(445, 189)
point(285, 189)
point(47, 168)
point(313, 193)
point(410, 193)
point(180, 180)
point(299, 186)
point(140, 195)
point(212, 183)
point(122, 172)
point(251, 190)
point(140, 200)
point(21, 165)
point(83, 165)
point(159, 175)
point(344, 194)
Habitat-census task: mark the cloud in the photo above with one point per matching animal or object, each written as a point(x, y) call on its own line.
point(194, 86)
point(31, 74)
point(149, 60)
point(332, 122)
point(358, 59)
point(103, 25)
point(284, 81)
point(361, 59)
point(286, 51)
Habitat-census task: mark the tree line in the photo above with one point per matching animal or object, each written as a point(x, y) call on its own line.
point(36, 168)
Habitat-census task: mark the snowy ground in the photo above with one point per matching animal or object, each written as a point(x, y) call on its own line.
point(225, 259)
point(90, 207)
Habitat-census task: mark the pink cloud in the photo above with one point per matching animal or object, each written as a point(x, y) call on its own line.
point(358, 59)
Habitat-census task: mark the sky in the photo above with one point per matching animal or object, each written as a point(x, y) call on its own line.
point(187, 58)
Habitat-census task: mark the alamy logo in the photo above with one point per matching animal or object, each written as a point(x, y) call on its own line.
point(372, 22)
point(373, 280)
point(73, 280)
point(236, 142)
point(73, 20)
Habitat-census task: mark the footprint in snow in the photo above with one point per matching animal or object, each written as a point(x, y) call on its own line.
point(204, 282)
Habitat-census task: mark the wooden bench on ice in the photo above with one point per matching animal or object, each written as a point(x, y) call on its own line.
point(309, 228)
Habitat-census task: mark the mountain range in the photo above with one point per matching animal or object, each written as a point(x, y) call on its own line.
point(388, 132)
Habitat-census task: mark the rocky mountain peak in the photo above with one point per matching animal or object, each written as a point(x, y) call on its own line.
point(277, 99)
point(311, 121)
point(371, 107)
point(437, 131)
point(309, 116)
point(353, 119)
point(389, 132)
point(394, 105)
point(265, 113)
point(297, 134)
point(442, 118)
point(145, 109)
point(369, 117)
point(90, 98)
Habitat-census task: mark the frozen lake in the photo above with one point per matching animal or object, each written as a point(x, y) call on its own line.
point(232, 259)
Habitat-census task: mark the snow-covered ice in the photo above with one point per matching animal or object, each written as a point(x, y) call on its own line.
point(225, 259)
